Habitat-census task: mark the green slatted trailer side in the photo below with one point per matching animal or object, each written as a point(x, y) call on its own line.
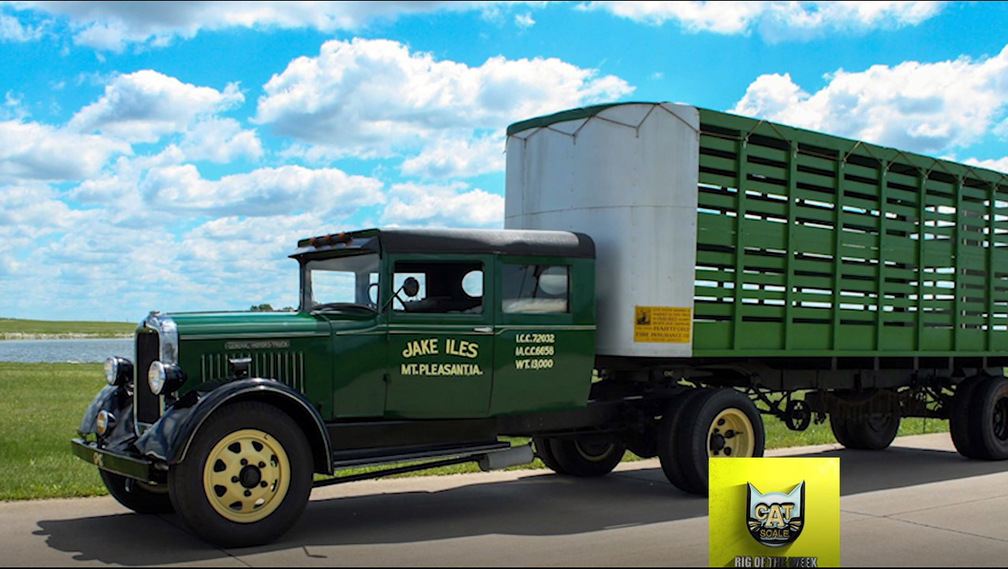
point(832, 279)
point(814, 245)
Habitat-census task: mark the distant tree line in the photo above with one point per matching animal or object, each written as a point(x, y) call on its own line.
point(269, 308)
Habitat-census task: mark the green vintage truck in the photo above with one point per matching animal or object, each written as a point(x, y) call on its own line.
point(667, 276)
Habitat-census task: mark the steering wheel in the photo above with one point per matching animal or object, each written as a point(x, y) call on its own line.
point(372, 303)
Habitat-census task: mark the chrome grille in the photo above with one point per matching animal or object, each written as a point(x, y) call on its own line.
point(285, 367)
point(146, 405)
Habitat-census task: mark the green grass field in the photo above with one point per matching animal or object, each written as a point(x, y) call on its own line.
point(13, 328)
point(41, 406)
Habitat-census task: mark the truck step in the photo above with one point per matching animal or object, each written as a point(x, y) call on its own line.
point(372, 457)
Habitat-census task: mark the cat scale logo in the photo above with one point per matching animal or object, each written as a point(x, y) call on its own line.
point(775, 519)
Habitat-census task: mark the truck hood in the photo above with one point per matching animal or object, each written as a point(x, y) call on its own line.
point(239, 324)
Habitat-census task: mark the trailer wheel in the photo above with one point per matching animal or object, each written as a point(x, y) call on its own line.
point(840, 433)
point(959, 414)
point(643, 442)
point(587, 455)
point(135, 495)
point(246, 478)
point(669, 431)
point(989, 432)
point(865, 431)
point(545, 454)
point(721, 423)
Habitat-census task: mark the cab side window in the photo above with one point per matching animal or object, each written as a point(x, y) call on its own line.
point(444, 287)
point(535, 289)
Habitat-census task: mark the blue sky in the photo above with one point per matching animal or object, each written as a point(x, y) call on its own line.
point(168, 156)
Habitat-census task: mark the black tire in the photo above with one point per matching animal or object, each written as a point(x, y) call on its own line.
point(135, 495)
point(270, 456)
point(988, 419)
point(700, 434)
point(668, 433)
point(959, 417)
point(839, 427)
point(545, 454)
point(865, 431)
point(587, 456)
point(643, 442)
point(875, 432)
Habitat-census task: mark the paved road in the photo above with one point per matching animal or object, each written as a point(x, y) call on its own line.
point(918, 503)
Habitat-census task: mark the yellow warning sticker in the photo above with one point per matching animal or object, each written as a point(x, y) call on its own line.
point(667, 324)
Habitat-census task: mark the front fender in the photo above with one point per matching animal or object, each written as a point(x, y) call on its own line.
point(104, 401)
point(168, 439)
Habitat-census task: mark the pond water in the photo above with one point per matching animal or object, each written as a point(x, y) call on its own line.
point(58, 351)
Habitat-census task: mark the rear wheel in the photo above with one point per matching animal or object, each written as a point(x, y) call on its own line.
point(545, 454)
point(720, 423)
point(988, 419)
point(669, 431)
point(959, 417)
point(135, 495)
point(587, 455)
point(246, 478)
point(644, 440)
point(864, 429)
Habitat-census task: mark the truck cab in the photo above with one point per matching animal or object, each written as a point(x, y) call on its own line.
point(414, 346)
point(453, 324)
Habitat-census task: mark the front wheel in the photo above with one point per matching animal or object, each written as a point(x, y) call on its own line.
point(246, 478)
point(135, 495)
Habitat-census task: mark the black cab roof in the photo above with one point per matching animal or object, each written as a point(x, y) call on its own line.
point(476, 241)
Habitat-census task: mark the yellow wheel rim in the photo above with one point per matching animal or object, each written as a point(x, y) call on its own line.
point(246, 476)
point(594, 451)
point(731, 434)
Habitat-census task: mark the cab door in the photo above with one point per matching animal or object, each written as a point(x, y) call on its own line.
point(545, 334)
point(441, 341)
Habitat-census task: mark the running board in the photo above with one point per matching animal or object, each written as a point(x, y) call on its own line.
point(344, 459)
point(449, 457)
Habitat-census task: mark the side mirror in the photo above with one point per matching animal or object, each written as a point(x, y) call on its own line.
point(411, 287)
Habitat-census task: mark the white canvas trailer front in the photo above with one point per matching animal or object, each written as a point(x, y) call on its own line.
point(627, 177)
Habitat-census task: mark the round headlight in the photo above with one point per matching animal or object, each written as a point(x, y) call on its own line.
point(104, 422)
point(111, 370)
point(164, 378)
point(156, 377)
point(118, 371)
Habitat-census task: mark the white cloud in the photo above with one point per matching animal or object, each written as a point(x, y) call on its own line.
point(923, 107)
point(220, 140)
point(525, 20)
point(261, 192)
point(80, 260)
point(114, 25)
point(369, 97)
point(33, 151)
point(774, 20)
point(998, 165)
point(31, 209)
point(457, 157)
point(13, 107)
point(146, 105)
point(13, 31)
point(452, 205)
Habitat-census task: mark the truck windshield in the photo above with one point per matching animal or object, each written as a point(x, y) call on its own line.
point(340, 283)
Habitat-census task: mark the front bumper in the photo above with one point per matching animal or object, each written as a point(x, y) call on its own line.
point(118, 463)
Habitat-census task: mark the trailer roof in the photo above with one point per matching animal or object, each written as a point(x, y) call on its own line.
point(748, 126)
point(473, 241)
